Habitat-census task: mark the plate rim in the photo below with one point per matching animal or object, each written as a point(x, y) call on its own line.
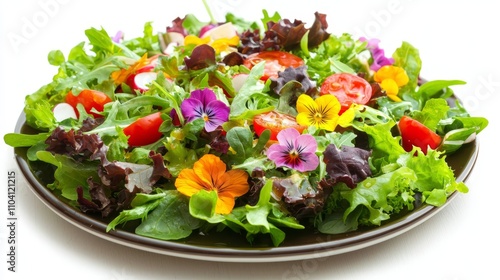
point(229, 254)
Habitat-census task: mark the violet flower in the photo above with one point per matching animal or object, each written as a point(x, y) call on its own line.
point(378, 54)
point(294, 150)
point(204, 104)
point(118, 37)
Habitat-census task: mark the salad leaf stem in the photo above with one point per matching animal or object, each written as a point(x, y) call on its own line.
point(175, 105)
point(209, 11)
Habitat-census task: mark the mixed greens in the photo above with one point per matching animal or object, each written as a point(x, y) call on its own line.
point(256, 127)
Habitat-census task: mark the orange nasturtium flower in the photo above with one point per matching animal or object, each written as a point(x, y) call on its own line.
point(209, 173)
point(391, 78)
point(121, 75)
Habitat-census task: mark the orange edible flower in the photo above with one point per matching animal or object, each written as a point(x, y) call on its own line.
point(209, 173)
point(121, 75)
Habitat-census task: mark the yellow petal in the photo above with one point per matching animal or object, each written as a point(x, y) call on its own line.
point(401, 78)
point(347, 117)
point(329, 124)
point(385, 72)
point(328, 105)
point(305, 104)
point(395, 98)
point(304, 119)
point(390, 87)
point(195, 40)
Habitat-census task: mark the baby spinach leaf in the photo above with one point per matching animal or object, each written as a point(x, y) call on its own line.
point(170, 220)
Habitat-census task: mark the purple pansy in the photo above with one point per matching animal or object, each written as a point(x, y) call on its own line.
point(294, 150)
point(378, 54)
point(204, 104)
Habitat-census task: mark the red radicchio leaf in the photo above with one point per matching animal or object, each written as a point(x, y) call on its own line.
point(317, 32)
point(298, 74)
point(75, 144)
point(177, 26)
point(348, 165)
point(289, 34)
point(301, 199)
point(142, 176)
point(217, 140)
point(202, 57)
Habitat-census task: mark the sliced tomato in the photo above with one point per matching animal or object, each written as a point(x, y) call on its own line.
point(414, 133)
point(276, 61)
point(145, 130)
point(348, 88)
point(275, 122)
point(89, 99)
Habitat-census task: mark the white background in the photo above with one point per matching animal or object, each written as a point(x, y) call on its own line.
point(456, 39)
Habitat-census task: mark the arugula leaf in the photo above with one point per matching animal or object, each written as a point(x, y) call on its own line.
point(100, 40)
point(251, 87)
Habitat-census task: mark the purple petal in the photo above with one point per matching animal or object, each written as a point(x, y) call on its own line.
point(308, 162)
point(306, 144)
point(118, 37)
point(217, 113)
point(278, 153)
point(290, 140)
point(287, 135)
point(204, 95)
point(191, 109)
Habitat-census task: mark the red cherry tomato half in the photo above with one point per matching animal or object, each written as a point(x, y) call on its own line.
point(144, 131)
point(276, 61)
point(348, 89)
point(89, 99)
point(275, 122)
point(414, 133)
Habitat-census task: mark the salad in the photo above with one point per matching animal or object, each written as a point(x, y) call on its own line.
point(253, 127)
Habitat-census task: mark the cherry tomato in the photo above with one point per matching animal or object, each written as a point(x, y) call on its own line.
point(144, 131)
point(275, 122)
point(276, 61)
point(348, 89)
point(89, 99)
point(414, 133)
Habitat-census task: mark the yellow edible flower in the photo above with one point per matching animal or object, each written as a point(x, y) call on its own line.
point(323, 112)
point(391, 78)
point(219, 45)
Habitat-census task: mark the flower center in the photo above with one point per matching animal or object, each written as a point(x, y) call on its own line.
point(293, 154)
point(205, 117)
point(318, 117)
